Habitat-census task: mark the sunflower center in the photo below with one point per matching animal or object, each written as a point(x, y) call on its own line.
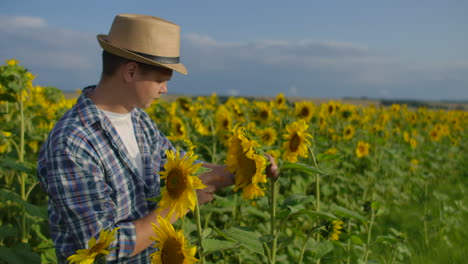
point(179, 129)
point(295, 142)
point(264, 115)
point(247, 166)
point(172, 253)
point(362, 149)
point(225, 124)
point(176, 182)
point(266, 137)
point(98, 247)
point(348, 132)
point(305, 112)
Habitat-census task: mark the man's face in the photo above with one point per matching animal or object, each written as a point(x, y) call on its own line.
point(149, 85)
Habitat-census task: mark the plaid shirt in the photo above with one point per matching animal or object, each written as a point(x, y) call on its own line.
point(92, 182)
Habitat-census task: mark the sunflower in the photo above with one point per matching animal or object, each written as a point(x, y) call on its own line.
point(262, 112)
point(95, 248)
point(173, 247)
point(223, 119)
point(248, 166)
point(304, 110)
point(335, 229)
point(362, 149)
point(178, 129)
point(268, 136)
point(297, 140)
point(280, 101)
point(435, 134)
point(178, 194)
point(200, 127)
point(348, 132)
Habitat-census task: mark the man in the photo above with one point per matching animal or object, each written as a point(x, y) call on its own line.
point(100, 163)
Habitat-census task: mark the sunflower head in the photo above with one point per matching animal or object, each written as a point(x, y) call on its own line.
point(362, 149)
point(296, 141)
point(95, 249)
point(173, 247)
point(348, 132)
point(304, 110)
point(244, 158)
point(179, 192)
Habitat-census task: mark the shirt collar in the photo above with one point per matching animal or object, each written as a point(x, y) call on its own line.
point(90, 114)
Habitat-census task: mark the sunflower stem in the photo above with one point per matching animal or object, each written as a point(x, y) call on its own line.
point(273, 221)
point(317, 192)
point(201, 252)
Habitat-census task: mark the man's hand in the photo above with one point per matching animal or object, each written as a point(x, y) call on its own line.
point(206, 195)
point(272, 171)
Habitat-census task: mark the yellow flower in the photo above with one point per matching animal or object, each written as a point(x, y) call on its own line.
point(3, 148)
point(297, 141)
point(173, 247)
point(335, 229)
point(268, 136)
point(348, 132)
point(244, 161)
point(95, 248)
point(223, 119)
point(280, 101)
point(179, 192)
point(262, 112)
point(331, 151)
point(435, 134)
point(178, 130)
point(6, 133)
point(12, 62)
point(406, 136)
point(413, 143)
point(34, 145)
point(362, 149)
point(304, 110)
point(200, 127)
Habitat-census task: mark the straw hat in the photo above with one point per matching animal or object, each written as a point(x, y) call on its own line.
point(145, 39)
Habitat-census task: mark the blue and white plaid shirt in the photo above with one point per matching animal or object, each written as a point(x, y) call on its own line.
point(92, 182)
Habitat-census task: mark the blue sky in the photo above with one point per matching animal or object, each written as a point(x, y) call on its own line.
point(329, 49)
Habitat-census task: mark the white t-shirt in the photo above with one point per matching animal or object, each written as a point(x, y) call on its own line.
point(124, 126)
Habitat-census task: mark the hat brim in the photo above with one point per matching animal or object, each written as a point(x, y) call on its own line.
point(102, 39)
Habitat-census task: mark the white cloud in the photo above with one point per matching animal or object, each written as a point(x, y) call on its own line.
point(233, 92)
point(18, 22)
point(40, 45)
point(292, 90)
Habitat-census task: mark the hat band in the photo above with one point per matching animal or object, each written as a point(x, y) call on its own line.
point(160, 59)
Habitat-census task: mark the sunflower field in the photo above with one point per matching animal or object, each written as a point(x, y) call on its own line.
point(356, 184)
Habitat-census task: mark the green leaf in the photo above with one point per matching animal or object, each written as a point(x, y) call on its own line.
point(296, 199)
point(7, 97)
point(348, 213)
point(295, 213)
point(322, 248)
point(24, 166)
point(7, 231)
point(309, 169)
point(356, 240)
point(31, 209)
point(206, 232)
point(326, 156)
point(211, 245)
point(248, 239)
point(21, 253)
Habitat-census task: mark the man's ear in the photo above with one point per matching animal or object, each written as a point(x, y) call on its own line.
point(129, 71)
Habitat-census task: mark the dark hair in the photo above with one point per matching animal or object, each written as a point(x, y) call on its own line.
point(111, 62)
